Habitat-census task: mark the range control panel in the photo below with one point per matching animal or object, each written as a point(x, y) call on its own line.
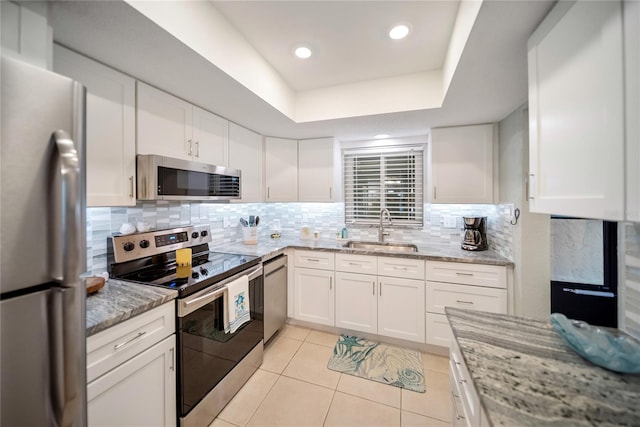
point(139, 245)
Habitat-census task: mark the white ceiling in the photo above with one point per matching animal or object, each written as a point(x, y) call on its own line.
point(489, 82)
point(349, 38)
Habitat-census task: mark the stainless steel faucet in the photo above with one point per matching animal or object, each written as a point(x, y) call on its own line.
point(381, 232)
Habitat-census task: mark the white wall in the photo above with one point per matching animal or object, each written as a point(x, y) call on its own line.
point(531, 235)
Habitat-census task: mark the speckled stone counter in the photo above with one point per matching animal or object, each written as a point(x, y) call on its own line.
point(267, 248)
point(525, 375)
point(119, 300)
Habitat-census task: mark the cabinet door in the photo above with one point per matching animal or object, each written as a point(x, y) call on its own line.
point(315, 170)
point(210, 138)
point(401, 308)
point(110, 127)
point(632, 106)
point(281, 170)
point(576, 115)
point(140, 392)
point(356, 302)
point(462, 164)
point(164, 124)
point(314, 296)
point(245, 153)
point(26, 34)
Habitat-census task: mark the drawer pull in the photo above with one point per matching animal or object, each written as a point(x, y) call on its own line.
point(464, 302)
point(396, 267)
point(173, 358)
point(355, 263)
point(313, 260)
point(464, 274)
point(373, 287)
point(117, 346)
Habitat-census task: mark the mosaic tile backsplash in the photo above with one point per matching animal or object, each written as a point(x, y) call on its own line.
point(326, 218)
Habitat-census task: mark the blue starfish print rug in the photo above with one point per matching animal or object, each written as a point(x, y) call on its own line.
point(378, 362)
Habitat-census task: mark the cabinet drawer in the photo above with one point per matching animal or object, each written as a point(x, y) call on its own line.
point(494, 276)
point(113, 346)
point(441, 295)
point(401, 267)
point(467, 393)
point(357, 263)
point(438, 330)
point(315, 259)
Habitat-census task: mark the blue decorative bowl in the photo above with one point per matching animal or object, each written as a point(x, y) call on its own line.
point(616, 353)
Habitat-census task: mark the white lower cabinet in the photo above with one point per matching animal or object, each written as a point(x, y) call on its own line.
point(466, 407)
point(401, 308)
point(385, 305)
point(314, 296)
point(131, 371)
point(140, 392)
point(357, 302)
point(459, 285)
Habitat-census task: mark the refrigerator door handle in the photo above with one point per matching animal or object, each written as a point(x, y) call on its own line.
point(67, 211)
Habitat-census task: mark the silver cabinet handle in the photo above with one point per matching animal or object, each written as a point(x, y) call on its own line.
point(531, 187)
point(122, 344)
point(355, 264)
point(380, 288)
point(173, 358)
point(330, 193)
point(464, 302)
point(190, 146)
point(330, 283)
point(197, 148)
point(313, 260)
point(464, 274)
point(373, 287)
point(131, 186)
point(395, 267)
point(434, 192)
point(268, 193)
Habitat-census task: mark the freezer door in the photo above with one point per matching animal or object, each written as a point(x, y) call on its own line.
point(25, 369)
point(36, 213)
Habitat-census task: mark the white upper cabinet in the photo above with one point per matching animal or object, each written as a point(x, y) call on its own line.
point(462, 166)
point(110, 127)
point(245, 153)
point(281, 170)
point(315, 170)
point(576, 112)
point(26, 34)
point(171, 127)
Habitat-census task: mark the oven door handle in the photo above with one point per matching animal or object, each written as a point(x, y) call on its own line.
point(208, 296)
point(193, 302)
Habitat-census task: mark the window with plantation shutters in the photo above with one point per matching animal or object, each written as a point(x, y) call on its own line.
point(384, 178)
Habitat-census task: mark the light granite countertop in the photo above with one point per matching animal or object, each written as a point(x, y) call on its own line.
point(120, 300)
point(268, 248)
point(525, 375)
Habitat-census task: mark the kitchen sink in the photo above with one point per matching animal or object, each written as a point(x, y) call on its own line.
point(378, 246)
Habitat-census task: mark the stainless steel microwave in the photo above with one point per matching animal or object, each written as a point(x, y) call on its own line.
point(165, 178)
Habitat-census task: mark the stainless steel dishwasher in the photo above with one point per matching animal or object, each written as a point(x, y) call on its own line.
point(275, 295)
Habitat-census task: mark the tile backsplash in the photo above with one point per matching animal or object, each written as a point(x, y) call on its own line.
point(326, 218)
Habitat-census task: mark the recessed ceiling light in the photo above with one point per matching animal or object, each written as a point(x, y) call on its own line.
point(302, 52)
point(399, 32)
point(381, 136)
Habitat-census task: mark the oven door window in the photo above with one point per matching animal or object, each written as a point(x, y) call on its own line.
point(207, 354)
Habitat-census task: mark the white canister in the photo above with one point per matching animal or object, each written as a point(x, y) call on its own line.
point(250, 235)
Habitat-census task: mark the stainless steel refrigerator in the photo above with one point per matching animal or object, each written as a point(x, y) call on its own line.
point(42, 248)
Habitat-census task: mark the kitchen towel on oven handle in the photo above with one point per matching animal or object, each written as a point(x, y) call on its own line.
point(237, 304)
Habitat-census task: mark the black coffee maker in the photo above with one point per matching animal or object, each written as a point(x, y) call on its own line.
point(475, 233)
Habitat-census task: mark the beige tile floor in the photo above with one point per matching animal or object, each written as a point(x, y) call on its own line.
point(294, 387)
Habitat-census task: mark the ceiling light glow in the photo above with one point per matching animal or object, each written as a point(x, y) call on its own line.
point(399, 32)
point(302, 52)
point(381, 136)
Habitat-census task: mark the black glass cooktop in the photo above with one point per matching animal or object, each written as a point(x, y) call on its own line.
point(205, 270)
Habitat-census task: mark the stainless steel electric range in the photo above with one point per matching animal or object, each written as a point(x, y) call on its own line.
point(212, 365)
